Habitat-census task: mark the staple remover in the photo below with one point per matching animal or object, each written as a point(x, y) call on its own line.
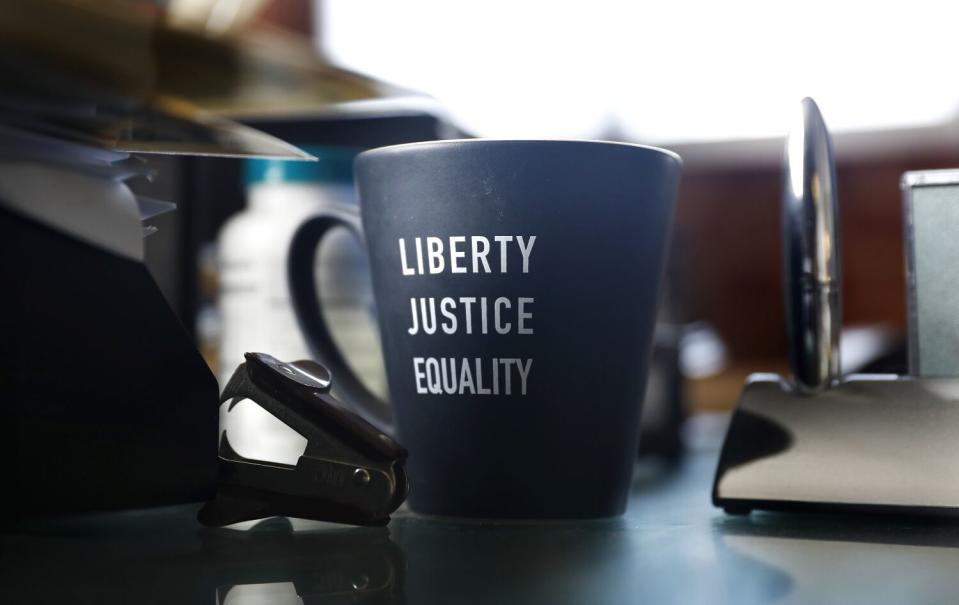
point(350, 472)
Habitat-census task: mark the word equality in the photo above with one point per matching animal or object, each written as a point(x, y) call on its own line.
point(470, 376)
point(485, 256)
point(500, 315)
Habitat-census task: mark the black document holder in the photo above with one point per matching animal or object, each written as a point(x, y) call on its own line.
point(105, 403)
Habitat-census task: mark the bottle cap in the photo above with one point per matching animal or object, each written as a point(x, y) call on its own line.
point(333, 165)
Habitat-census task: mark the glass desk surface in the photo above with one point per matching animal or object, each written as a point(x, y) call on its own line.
point(672, 546)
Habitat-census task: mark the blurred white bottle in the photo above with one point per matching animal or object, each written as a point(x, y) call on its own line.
point(254, 298)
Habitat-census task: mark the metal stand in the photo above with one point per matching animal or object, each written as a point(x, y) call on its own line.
point(880, 443)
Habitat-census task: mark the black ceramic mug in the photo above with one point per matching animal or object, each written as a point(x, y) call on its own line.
point(516, 285)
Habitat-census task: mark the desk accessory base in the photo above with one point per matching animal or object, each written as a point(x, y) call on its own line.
point(874, 443)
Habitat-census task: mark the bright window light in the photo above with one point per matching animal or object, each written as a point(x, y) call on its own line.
point(660, 72)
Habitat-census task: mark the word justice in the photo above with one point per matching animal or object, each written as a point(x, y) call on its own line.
point(471, 376)
point(485, 256)
point(499, 315)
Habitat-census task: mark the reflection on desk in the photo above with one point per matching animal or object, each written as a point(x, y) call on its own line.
point(671, 547)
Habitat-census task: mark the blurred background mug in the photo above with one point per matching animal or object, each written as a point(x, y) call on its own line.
point(516, 285)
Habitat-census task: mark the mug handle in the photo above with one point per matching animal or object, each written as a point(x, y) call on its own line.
point(308, 308)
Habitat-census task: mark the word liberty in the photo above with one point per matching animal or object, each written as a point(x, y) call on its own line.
point(471, 315)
